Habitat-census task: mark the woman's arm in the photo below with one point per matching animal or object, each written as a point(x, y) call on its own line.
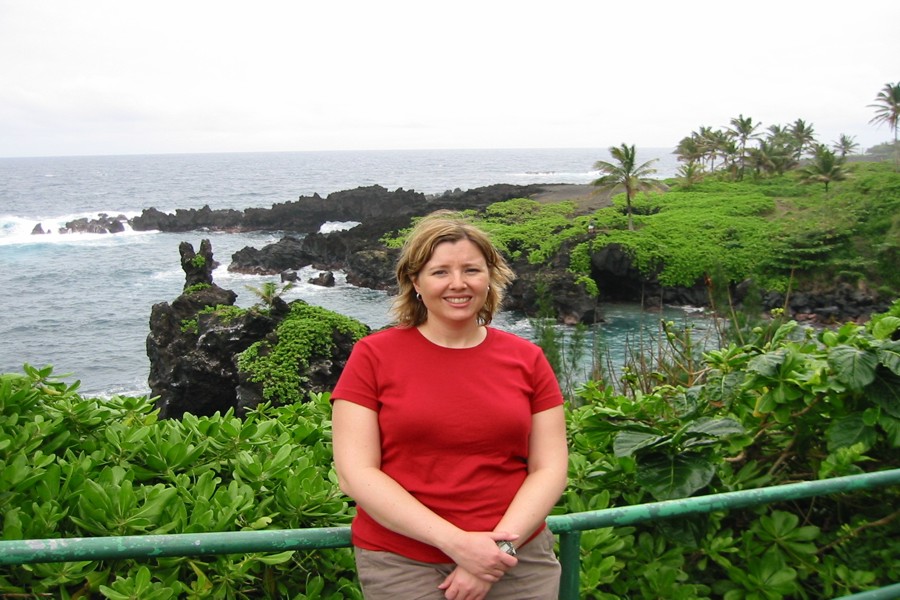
point(548, 465)
point(357, 459)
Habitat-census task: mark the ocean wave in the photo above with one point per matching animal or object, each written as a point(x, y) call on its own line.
point(20, 230)
point(555, 176)
point(332, 226)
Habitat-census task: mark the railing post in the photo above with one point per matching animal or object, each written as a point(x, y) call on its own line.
point(570, 560)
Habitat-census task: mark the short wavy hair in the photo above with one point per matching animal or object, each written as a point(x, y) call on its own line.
point(437, 228)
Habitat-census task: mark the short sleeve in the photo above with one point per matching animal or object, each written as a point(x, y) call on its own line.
point(358, 382)
point(546, 387)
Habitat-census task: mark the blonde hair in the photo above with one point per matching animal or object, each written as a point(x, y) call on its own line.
point(439, 227)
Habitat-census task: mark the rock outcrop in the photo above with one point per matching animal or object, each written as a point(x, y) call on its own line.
point(372, 205)
point(102, 224)
point(367, 263)
point(195, 343)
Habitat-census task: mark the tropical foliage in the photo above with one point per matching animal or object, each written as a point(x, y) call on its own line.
point(887, 107)
point(627, 174)
point(825, 167)
point(278, 362)
point(72, 466)
point(789, 404)
point(771, 230)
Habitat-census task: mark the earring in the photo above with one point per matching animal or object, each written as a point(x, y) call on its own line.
point(418, 296)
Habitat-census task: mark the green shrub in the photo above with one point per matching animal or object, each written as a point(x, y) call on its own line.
point(308, 330)
point(788, 405)
point(79, 467)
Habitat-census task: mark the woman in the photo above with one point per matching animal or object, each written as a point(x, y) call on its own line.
point(450, 435)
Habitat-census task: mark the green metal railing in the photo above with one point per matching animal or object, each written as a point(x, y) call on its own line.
point(568, 527)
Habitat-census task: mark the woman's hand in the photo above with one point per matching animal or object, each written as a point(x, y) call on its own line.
point(478, 554)
point(462, 585)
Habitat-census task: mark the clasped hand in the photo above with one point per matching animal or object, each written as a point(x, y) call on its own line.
point(479, 564)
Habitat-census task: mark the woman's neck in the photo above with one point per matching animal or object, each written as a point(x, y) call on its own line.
point(467, 336)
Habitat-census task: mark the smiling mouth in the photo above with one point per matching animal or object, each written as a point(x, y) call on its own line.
point(458, 300)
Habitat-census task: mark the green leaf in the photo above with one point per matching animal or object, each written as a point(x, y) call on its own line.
point(885, 327)
point(891, 426)
point(669, 477)
point(715, 427)
point(885, 393)
point(849, 430)
point(112, 594)
point(853, 367)
point(629, 442)
point(276, 559)
point(767, 364)
point(889, 355)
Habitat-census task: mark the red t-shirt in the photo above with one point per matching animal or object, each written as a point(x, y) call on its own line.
point(455, 425)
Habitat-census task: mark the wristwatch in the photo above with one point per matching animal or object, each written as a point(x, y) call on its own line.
point(507, 547)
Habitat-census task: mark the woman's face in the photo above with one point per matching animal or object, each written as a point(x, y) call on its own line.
point(454, 282)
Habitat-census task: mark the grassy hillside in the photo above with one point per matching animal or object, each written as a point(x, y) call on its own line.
point(768, 229)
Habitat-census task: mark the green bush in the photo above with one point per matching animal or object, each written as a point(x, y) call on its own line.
point(306, 331)
point(788, 404)
point(791, 404)
point(79, 467)
point(771, 230)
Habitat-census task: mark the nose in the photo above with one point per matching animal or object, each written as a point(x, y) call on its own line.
point(458, 279)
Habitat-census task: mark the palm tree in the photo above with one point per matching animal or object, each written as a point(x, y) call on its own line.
point(269, 293)
point(627, 174)
point(825, 168)
point(730, 155)
point(744, 129)
point(716, 142)
point(688, 150)
point(887, 107)
point(706, 142)
point(845, 145)
point(803, 137)
point(887, 110)
point(690, 173)
point(777, 132)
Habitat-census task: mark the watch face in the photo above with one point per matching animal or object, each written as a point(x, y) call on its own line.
point(507, 547)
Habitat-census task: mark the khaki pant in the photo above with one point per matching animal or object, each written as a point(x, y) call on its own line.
point(387, 576)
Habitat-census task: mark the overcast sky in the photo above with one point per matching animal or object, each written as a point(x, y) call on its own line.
point(136, 77)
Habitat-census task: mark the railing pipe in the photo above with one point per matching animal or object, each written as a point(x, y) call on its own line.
point(886, 593)
point(570, 561)
point(568, 527)
point(630, 515)
point(13, 552)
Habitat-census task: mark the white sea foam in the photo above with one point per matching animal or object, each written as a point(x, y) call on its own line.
point(16, 229)
point(331, 226)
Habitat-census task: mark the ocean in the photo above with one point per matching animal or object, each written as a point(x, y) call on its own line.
point(81, 302)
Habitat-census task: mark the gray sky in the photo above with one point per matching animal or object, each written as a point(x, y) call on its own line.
point(126, 77)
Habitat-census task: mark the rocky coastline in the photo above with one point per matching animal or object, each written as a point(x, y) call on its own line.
point(193, 350)
point(368, 263)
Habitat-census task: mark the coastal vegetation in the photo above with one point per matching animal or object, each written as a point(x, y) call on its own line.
point(777, 231)
point(76, 467)
point(279, 363)
point(774, 402)
point(887, 111)
point(789, 404)
point(625, 173)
